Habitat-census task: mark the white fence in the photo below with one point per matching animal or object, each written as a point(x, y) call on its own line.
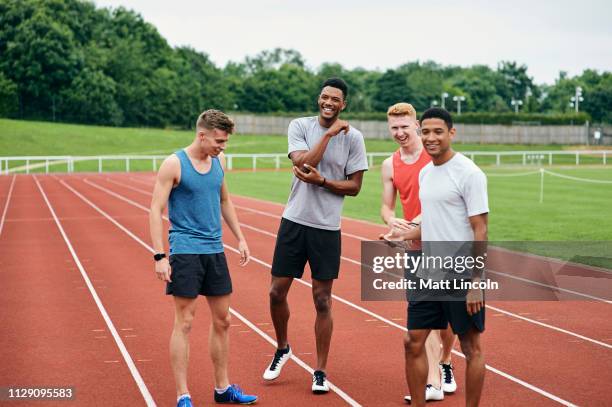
point(253, 162)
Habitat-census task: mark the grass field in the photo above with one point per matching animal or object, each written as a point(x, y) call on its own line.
point(571, 211)
point(20, 138)
point(577, 213)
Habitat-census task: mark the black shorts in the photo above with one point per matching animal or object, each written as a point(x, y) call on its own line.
point(296, 244)
point(199, 274)
point(437, 315)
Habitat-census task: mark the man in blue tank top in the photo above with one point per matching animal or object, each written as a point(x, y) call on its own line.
point(191, 183)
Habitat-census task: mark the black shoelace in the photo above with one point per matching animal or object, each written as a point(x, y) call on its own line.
point(319, 378)
point(277, 357)
point(448, 371)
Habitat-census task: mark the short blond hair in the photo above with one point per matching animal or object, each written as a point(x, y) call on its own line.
point(215, 119)
point(402, 109)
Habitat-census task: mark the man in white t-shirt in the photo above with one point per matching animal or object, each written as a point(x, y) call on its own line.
point(454, 208)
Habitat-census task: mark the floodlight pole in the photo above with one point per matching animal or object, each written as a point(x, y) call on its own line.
point(443, 98)
point(516, 104)
point(459, 99)
point(577, 98)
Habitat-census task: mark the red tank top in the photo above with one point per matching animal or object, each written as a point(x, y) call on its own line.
point(406, 181)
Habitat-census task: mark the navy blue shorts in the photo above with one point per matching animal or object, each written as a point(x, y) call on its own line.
point(199, 274)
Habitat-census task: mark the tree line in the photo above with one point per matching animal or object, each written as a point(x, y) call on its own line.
point(67, 60)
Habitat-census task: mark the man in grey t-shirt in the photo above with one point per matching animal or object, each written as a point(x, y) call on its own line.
point(329, 159)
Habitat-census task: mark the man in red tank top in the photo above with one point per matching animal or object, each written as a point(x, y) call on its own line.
point(400, 173)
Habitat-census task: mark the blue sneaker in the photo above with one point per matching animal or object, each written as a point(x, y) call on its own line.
point(234, 395)
point(184, 401)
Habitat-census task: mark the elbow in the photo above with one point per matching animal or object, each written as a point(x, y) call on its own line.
point(354, 191)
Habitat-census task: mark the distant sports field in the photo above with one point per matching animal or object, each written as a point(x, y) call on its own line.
point(571, 209)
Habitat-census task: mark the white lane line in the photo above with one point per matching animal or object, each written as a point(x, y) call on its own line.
point(341, 393)
point(126, 356)
point(297, 360)
point(555, 328)
point(265, 232)
point(552, 287)
point(244, 208)
point(244, 225)
point(6, 204)
point(359, 308)
point(533, 321)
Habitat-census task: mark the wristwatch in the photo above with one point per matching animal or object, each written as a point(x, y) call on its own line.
point(159, 256)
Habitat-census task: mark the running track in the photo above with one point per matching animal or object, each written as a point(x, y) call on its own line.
point(81, 307)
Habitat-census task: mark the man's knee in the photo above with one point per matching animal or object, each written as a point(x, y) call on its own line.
point(222, 322)
point(322, 303)
point(413, 345)
point(470, 346)
point(278, 294)
point(184, 323)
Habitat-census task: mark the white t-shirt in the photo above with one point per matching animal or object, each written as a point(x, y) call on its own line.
point(450, 193)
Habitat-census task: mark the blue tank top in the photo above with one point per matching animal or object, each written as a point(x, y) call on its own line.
point(194, 209)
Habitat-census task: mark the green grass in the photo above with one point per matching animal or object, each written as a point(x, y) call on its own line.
point(571, 211)
point(21, 138)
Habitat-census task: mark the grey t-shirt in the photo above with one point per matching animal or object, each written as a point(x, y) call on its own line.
point(312, 205)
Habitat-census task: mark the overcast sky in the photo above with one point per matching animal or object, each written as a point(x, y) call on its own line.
point(547, 36)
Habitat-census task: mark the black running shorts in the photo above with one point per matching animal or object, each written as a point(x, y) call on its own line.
point(297, 244)
point(438, 314)
point(199, 274)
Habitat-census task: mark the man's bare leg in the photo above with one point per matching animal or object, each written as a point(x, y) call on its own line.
point(324, 324)
point(184, 312)
point(433, 350)
point(416, 364)
point(448, 343)
point(279, 308)
point(218, 337)
point(475, 371)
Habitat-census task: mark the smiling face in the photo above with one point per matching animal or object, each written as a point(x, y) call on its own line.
point(404, 130)
point(436, 137)
point(213, 141)
point(331, 103)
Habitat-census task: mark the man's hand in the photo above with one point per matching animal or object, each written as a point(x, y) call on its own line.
point(245, 255)
point(311, 177)
point(398, 223)
point(337, 127)
point(474, 301)
point(163, 270)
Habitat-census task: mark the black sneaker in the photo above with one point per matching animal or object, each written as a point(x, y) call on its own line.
point(319, 382)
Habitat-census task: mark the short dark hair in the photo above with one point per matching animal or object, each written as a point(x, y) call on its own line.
point(338, 84)
point(438, 113)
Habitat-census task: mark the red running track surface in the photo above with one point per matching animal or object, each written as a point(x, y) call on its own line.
point(53, 333)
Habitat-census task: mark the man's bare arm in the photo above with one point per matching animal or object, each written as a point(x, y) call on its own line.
point(348, 187)
point(167, 176)
point(313, 156)
point(474, 298)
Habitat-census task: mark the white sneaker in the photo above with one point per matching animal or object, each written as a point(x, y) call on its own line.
point(431, 393)
point(275, 367)
point(319, 382)
point(449, 385)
